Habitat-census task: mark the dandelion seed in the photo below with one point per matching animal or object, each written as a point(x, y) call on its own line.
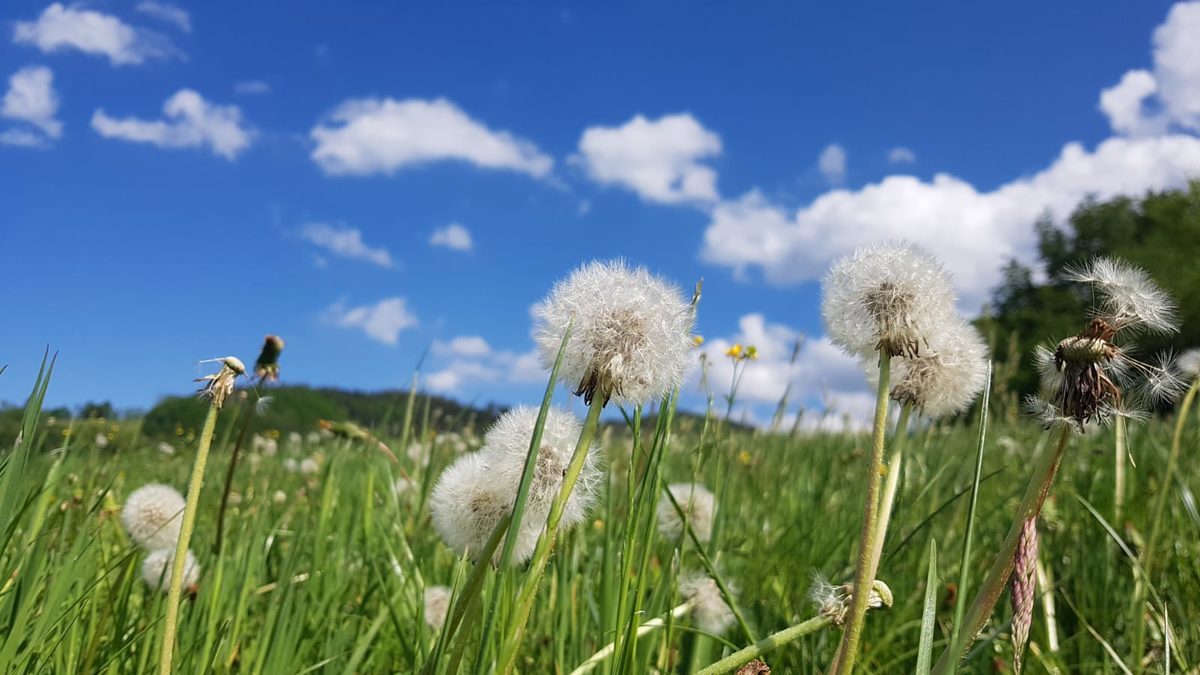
point(946, 377)
point(437, 606)
point(709, 610)
point(478, 490)
point(101, 441)
point(890, 298)
point(219, 385)
point(698, 506)
point(156, 569)
point(631, 337)
point(153, 516)
point(1129, 297)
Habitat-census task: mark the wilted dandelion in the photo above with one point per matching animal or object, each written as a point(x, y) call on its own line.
point(833, 602)
point(437, 606)
point(266, 368)
point(698, 507)
point(152, 515)
point(156, 569)
point(476, 492)
point(218, 386)
point(891, 298)
point(1089, 377)
point(631, 337)
point(709, 609)
point(946, 376)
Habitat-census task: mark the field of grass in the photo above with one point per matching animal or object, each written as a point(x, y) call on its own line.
point(326, 571)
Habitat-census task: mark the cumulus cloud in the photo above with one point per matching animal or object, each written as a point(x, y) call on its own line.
point(901, 155)
point(832, 164)
point(974, 231)
point(31, 98)
point(464, 345)
point(172, 14)
point(382, 322)
point(22, 138)
point(61, 28)
point(472, 361)
point(372, 135)
point(346, 242)
point(659, 160)
point(191, 122)
point(822, 376)
point(1145, 102)
point(453, 236)
point(247, 87)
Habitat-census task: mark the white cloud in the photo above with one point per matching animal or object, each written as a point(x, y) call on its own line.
point(822, 377)
point(372, 135)
point(453, 236)
point(172, 14)
point(382, 322)
point(346, 242)
point(901, 155)
point(31, 98)
point(191, 122)
point(659, 160)
point(22, 138)
point(62, 28)
point(464, 345)
point(1146, 102)
point(247, 87)
point(832, 164)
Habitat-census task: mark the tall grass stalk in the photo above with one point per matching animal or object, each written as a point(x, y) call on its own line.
point(993, 586)
point(843, 663)
point(171, 623)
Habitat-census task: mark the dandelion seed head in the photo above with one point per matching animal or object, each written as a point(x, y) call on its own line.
point(946, 376)
point(709, 610)
point(891, 297)
point(1188, 364)
point(153, 516)
point(631, 337)
point(698, 505)
point(1128, 297)
point(437, 606)
point(308, 466)
point(156, 569)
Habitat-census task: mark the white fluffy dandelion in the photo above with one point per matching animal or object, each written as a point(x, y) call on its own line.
point(1128, 297)
point(478, 490)
point(153, 515)
point(698, 506)
point(308, 466)
point(631, 337)
point(437, 606)
point(156, 569)
point(709, 610)
point(946, 376)
point(890, 297)
point(1188, 364)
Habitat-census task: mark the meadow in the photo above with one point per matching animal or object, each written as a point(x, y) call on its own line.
point(330, 548)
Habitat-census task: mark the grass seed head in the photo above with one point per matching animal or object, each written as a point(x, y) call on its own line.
point(631, 338)
point(1021, 587)
point(153, 515)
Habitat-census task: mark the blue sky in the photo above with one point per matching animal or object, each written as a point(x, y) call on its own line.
point(180, 179)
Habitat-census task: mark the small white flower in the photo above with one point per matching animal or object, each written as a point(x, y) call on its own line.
point(697, 504)
point(479, 489)
point(891, 298)
point(709, 610)
point(946, 376)
point(156, 569)
point(1129, 298)
point(631, 336)
point(294, 441)
point(153, 515)
point(437, 606)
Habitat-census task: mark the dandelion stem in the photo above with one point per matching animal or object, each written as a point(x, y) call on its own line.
point(545, 545)
point(1119, 448)
point(843, 663)
point(895, 466)
point(765, 645)
point(993, 586)
point(171, 624)
point(1160, 505)
point(607, 650)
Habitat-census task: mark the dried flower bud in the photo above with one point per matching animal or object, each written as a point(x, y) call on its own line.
point(267, 365)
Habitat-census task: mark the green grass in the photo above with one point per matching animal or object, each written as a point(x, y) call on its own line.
point(331, 580)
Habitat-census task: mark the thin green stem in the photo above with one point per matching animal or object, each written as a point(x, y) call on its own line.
point(1119, 452)
point(545, 545)
point(993, 586)
point(171, 624)
point(1160, 506)
point(843, 663)
point(890, 486)
point(765, 645)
